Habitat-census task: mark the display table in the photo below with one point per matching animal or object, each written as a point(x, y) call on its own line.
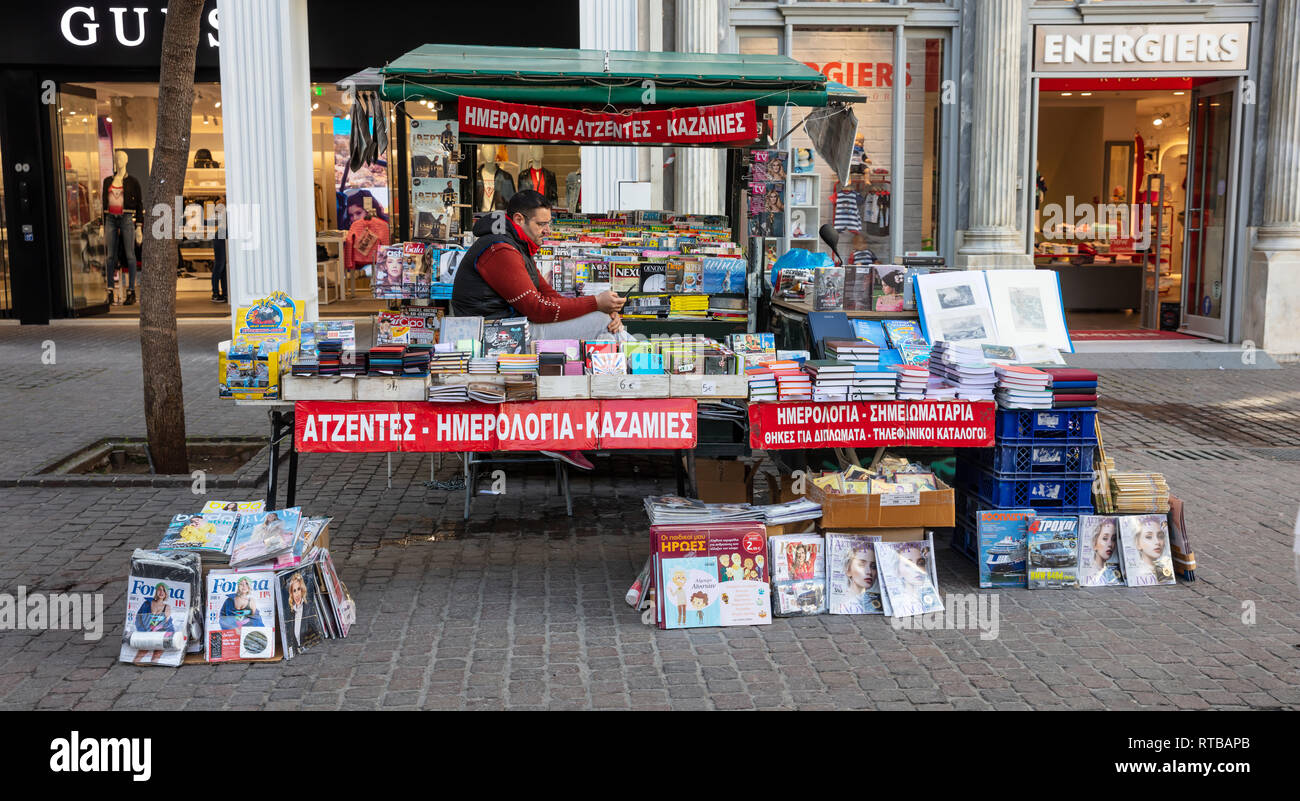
point(805, 307)
point(789, 322)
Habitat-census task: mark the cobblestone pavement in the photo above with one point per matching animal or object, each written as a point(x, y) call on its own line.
point(521, 606)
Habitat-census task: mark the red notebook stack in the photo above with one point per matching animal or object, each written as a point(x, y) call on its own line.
point(1072, 387)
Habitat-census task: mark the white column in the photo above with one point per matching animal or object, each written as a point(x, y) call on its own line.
point(1273, 280)
point(992, 239)
point(701, 28)
point(607, 25)
point(266, 107)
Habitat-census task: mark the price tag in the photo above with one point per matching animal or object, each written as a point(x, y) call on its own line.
point(628, 385)
point(909, 498)
point(708, 388)
point(390, 385)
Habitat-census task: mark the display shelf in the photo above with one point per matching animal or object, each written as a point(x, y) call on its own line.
point(804, 307)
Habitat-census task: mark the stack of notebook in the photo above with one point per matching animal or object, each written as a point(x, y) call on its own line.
point(870, 384)
point(1022, 387)
point(855, 351)
point(1072, 387)
point(964, 368)
point(696, 306)
point(386, 359)
point(448, 393)
point(793, 386)
point(449, 361)
point(328, 353)
point(517, 363)
point(483, 365)
point(354, 363)
point(912, 381)
point(831, 379)
point(762, 384)
point(415, 361)
point(1140, 493)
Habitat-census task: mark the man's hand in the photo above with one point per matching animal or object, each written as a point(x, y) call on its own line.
point(615, 323)
point(608, 302)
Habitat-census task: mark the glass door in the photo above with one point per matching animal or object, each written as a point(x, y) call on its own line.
point(1210, 213)
point(79, 173)
point(6, 291)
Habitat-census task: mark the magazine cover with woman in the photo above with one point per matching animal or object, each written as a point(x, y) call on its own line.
point(240, 618)
point(798, 574)
point(907, 571)
point(208, 534)
point(1144, 546)
point(853, 582)
point(301, 626)
point(161, 592)
point(264, 535)
point(1099, 564)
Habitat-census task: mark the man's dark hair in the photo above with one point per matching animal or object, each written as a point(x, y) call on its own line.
point(526, 202)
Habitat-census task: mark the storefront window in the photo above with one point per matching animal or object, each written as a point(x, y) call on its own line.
point(6, 292)
point(922, 145)
point(860, 211)
point(79, 176)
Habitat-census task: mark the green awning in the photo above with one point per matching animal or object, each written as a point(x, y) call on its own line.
point(579, 77)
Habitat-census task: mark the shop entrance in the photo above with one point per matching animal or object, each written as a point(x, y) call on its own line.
point(1211, 214)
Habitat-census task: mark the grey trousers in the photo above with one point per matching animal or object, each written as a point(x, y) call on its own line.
point(593, 325)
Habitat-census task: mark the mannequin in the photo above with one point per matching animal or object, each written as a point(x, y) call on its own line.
point(493, 187)
point(123, 210)
point(573, 191)
point(535, 176)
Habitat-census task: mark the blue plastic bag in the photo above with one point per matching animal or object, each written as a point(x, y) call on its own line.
point(798, 258)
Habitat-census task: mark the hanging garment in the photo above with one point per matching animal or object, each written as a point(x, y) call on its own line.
point(848, 210)
point(871, 209)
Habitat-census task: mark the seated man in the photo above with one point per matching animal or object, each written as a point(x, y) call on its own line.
point(497, 278)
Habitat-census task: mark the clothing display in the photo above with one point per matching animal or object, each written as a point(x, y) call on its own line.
point(540, 180)
point(362, 242)
point(131, 196)
point(498, 278)
point(573, 191)
point(115, 226)
point(502, 189)
point(848, 211)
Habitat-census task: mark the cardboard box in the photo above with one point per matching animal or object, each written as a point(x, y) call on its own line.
point(935, 509)
point(780, 489)
point(797, 527)
point(885, 534)
point(722, 481)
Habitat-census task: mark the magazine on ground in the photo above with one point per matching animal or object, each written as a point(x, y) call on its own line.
point(344, 608)
point(1003, 547)
point(907, 573)
point(262, 536)
point(1144, 547)
point(798, 574)
point(712, 575)
point(852, 580)
point(240, 620)
point(301, 626)
point(208, 534)
point(1053, 553)
point(1099, 563)
point(239, 507)
point(162, 592)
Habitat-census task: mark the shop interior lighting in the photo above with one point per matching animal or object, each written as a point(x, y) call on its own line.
point(1180, 93)
point(1085, 94)
point(1066, 94)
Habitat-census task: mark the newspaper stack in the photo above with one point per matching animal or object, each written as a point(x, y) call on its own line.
point(448, 393)
point(1140, 493)
point(674, 509)
point(790, 512)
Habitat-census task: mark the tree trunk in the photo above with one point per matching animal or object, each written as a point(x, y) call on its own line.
point(164, 398)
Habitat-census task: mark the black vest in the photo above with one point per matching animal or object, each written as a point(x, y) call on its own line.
point(471, 296)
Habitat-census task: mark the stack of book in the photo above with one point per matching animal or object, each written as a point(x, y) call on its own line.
point(831, 379)
point(304, 365)
point(386, 359)
point(415, 361)
point(328, 353)
point(486, 392)
point(521, 387)
point(1072, 387)
point(516, 363)
point(874, 384)
point(912, 381)
point(448, 393)
point(1022, 387)
point(792, 383)
point(733, 309)
point(964, 367)
point(354, 363)
point(646, 307)
point(483, 365)
point(855, 351)
point(1140, 493)
point(939, 389)
point(449, 361)
point(689, 306)
point(762, 384)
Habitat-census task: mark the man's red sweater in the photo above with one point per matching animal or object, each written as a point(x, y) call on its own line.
point(503, 269)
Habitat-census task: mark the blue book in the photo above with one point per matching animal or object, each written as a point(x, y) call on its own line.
point(872, 331)
point(889, 356)
point(1074, 384)
point(1003, 542)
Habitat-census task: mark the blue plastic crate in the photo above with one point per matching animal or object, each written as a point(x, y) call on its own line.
point(1046, 456)
point(965, 542)
point(1034, 492)
point(1031, 426)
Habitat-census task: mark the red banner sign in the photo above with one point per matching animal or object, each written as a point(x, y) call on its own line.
point(696, 125)
point(416, 427)
point(953, 424)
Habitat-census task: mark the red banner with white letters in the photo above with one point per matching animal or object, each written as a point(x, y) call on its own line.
point(866, 424)
point(728, 123)
point(418, 427)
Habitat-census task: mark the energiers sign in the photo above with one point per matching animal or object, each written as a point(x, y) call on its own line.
point(1141, 48)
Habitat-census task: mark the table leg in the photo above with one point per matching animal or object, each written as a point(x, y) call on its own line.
point(272, 471)
point(690, 474)
point(679, 472)
point(293, 467)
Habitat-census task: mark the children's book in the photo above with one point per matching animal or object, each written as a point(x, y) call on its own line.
point(711, 575)
point(240, 619)
point(1053, 552)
